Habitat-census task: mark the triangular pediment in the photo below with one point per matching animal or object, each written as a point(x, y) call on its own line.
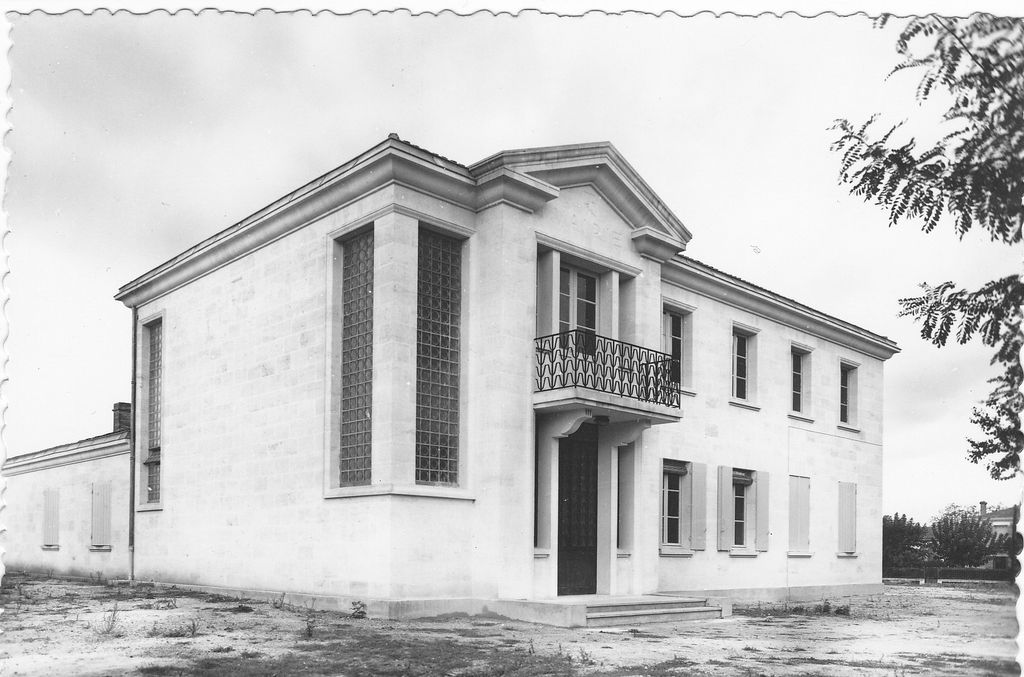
point(602, 167)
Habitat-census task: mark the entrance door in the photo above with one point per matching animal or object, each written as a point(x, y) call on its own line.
point(577, 512)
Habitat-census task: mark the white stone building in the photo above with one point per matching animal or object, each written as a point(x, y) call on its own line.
point(433, 386)
point(66, 507)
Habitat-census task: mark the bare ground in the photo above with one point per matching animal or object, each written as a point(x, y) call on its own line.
point(56, 627)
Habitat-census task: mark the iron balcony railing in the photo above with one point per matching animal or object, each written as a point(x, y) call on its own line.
point(581, 358)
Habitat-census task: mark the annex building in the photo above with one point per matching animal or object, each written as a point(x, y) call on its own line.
point(435, 387)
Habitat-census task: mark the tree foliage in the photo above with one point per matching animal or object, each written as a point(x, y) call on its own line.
point(902, 542)
point(962, 538)
point(973, 176)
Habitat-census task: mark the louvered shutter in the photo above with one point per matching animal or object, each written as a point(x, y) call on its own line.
point(51, 517)
point(101, 513)
point(799, 514)
point(847, 517)
point(698, 511)
point(725, 508)
point(761, 516)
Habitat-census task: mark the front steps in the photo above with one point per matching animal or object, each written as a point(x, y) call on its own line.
point(608, 612)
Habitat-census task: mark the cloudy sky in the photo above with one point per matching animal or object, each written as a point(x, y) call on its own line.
point(134, 137)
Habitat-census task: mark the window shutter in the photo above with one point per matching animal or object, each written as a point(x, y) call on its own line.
point(725, 507)
point(761, 515)
point(101, 513)
point(799, 514)
point(51, 517)
point(847, 517)
point(698, 511)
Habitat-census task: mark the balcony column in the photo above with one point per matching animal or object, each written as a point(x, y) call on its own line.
point(549, 263)
point(609, 439)
point(608, 302)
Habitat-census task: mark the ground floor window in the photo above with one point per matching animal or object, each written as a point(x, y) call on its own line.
point(673, 530)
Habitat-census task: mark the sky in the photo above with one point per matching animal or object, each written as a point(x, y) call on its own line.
point(134, 137)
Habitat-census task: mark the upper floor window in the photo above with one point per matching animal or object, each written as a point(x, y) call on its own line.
point(801, 379)
point(744, 363)
point(577, 300)
point(677, 341)
point(847, 393)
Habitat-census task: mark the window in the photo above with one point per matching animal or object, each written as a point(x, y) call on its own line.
point(100, 514)
point(51, 518)
point(677, 341)
point(741, 479)
point(743, 363)
point(847, 518)
point(671, 503)
point(798, 376)
point(354, 463)
point(154, 406)
point(742, 510)
point(847, 393)
point(799, 514)
point(683, 522)
point(577, 300)
point(438, 312)
point(801, 381)
point(739, 366)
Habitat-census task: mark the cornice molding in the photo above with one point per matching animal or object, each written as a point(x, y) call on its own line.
point(703, 280)
point(656, 245)
point(65, 455)
point(392, 164)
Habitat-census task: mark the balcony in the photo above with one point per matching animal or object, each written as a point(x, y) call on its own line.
point(584, 368)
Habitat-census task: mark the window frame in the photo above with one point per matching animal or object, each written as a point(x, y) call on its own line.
point(151, 463)
point(572, 294)
point(748, 334)
point(681, 471)
point(670, 313)
point(848, 394)
point(800, 355)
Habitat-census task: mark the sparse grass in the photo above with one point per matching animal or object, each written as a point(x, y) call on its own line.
point(110, 624)
point(188, 629)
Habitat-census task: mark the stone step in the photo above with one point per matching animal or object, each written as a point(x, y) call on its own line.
point(661, 615)
point(669, 603)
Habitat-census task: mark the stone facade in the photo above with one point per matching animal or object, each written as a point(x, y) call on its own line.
point(572, 424)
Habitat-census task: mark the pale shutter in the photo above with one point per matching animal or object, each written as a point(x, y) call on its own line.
point(101, 513)
point(761, 516)
point(799, 514)
point(847, 517)
point(699, 509)
point(725, 508)
point(51, 517)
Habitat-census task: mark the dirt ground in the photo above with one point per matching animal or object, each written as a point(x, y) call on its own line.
point(55, 627)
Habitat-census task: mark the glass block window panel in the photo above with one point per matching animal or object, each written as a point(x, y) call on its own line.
point(156, 351)
point(438, 304)
point(356, 360)
point(154, 407)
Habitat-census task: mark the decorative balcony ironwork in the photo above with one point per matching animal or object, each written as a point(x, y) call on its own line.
point(583, 359)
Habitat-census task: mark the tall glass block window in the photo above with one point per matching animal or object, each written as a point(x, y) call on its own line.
point(356, 360)
point(153, 410)
point(438, 304)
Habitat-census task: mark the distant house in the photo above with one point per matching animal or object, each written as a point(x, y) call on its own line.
point(1003, 523)
point(441, 384)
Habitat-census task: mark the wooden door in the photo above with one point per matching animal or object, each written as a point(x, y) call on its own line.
point(577, 512)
